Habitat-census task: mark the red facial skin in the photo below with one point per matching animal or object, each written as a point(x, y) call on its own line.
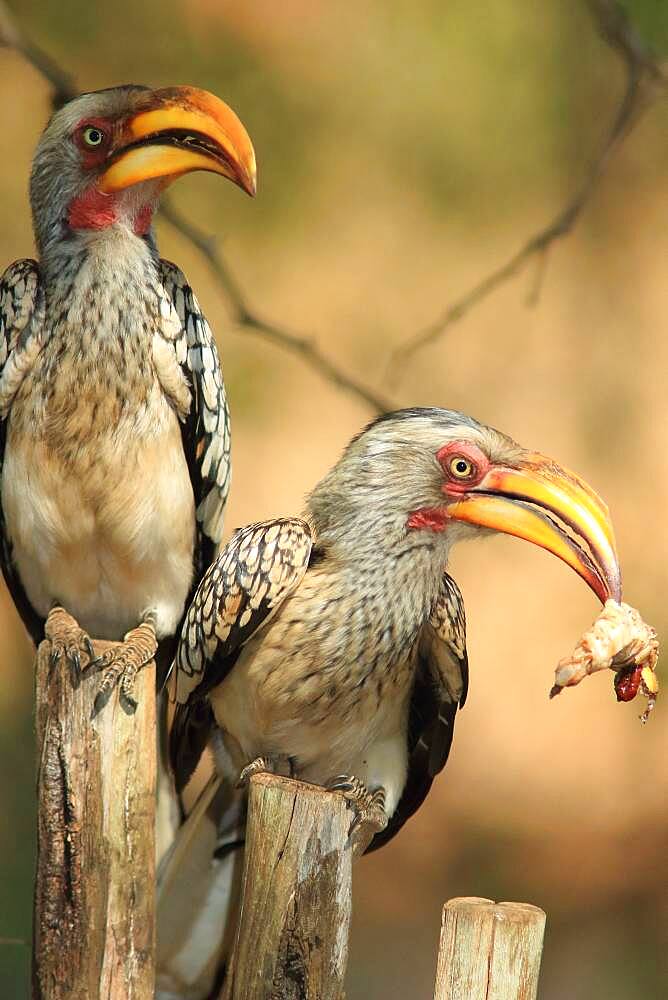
point(453, 486)
point(94, 156)
point(428, 518)
point(142, 220)
point(436, 518)
point(93, 209)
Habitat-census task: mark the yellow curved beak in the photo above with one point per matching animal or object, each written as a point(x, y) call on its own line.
point(520, 501)
point(175, 131)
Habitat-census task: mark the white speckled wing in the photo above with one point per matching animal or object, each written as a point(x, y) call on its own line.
point(252, 576)
point(206, 430)
point(440, 688)
point(21, 327)
point(22, 334)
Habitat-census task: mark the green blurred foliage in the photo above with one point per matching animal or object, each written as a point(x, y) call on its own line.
point(650, 20)
point(17, 846)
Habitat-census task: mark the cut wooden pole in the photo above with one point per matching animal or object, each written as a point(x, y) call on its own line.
point(292, 939)
point(489, 951)
point(93, 933)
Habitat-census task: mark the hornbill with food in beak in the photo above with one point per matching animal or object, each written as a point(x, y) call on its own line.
point(114, 428)
point(332, 647)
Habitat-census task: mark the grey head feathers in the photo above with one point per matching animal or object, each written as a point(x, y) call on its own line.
point(57, 176)
point(390, 469)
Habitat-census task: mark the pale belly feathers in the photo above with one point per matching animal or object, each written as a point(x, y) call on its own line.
point(293, 701)
point(107, 533)
point(96, 493)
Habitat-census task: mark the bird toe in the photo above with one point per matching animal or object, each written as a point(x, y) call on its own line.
point(368, 807)
point(68, 640)
point(121, 663)
point(260, 765)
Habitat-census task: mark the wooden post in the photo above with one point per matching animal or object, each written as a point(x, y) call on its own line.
point(95, 882)
point(292, 939)
point(489, 951)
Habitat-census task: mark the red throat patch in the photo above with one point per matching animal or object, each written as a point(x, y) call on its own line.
point(143, 219)
point(428, 518)
point(92, 210)
point(95, 210)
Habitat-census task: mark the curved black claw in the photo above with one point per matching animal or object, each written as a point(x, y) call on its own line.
point(121, 664)
point(68, 639)
point(369, 807)
point(266, 765)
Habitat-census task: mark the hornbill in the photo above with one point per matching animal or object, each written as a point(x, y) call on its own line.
point(114, 428)
point(333, 647)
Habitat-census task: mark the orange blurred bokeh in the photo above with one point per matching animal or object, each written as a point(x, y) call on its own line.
point(404, 151)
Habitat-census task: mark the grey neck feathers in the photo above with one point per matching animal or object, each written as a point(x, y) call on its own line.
point(362, 529)
point(103, 296)
point(111, 253)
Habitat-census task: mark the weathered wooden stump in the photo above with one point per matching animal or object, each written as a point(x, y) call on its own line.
point(95, 882)
point(292, 938)
point(489, 951)
point(94, 916)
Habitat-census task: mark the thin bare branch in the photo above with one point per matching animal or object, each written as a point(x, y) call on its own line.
point(63, 90)
point(273, 332)
point(11, 37)
point(645, 81)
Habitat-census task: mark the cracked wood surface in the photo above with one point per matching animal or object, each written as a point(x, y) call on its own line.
point(94, 886)
point(489, 951)
point(292, 941)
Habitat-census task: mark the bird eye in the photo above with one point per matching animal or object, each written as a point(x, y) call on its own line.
point(461, 468)
point(93, 136)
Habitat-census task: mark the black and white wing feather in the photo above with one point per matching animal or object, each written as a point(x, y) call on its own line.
point(206, 429)
point(22, 332)
point(441, 686)
point(255, 572)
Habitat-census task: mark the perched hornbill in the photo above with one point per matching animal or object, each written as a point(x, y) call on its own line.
point(333, 646)
point(114, 430)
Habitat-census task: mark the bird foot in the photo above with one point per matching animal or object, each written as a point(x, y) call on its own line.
point(261, 765)
point(68, 639)
point(121, 664)
point(369, 809)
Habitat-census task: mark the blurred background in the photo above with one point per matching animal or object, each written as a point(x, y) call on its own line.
point(404, 150)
